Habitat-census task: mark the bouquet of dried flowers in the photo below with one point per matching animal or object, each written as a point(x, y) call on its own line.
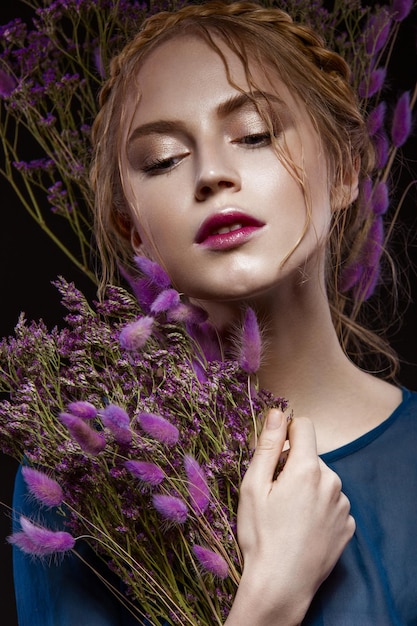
point(137, 428)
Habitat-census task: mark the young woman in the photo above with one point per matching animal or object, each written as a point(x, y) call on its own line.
point(229, 147)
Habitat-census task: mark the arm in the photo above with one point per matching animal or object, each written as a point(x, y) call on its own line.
point(291, 530)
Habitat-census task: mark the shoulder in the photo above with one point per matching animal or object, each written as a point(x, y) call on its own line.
point(408, 405)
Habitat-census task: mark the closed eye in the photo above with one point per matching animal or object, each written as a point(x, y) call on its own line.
point(257, 140)
point(160, 166)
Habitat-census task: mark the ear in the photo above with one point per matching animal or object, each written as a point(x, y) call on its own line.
point(346, 191)
point(122, 224)
point(135, 240)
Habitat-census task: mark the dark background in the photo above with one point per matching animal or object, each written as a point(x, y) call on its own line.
point(29, 261)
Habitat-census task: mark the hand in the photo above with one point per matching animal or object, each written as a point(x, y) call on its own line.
point(291, 529)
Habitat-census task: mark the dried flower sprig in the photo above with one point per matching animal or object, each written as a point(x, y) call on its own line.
point(142, 452)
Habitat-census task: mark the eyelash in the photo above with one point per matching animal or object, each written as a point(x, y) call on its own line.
point(159, 166)
point(163, 166)
point(250, 140)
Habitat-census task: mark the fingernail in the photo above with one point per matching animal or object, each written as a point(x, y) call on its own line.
point(274, 419)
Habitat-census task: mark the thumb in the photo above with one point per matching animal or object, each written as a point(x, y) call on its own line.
point(269, 447)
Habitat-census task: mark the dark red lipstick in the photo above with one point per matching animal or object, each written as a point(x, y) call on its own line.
point(227, 230)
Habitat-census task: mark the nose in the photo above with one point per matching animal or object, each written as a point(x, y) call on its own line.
point(216, 173)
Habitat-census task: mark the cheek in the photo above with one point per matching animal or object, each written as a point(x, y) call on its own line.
point(153, 216)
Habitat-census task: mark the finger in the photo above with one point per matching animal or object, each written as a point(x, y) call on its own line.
point(302, 440)
point(269, 447)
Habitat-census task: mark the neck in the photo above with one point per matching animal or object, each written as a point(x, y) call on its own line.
point(303, 359)
point(304, 362)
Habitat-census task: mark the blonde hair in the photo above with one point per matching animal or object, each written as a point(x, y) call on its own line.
point(321, 80)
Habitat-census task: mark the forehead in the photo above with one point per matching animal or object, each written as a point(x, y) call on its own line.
point(185, 75)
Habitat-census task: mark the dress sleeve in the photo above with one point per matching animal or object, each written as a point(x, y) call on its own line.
point(62, 592)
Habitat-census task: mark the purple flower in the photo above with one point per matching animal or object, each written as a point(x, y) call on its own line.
point(380, 198)
point(187, 313)
point(171, 508)
point(159, 428)
point(366, 194)
point(401, 121)
point(376, 118)
point(211, 561)
point(381, 145)
point(374, 244)
point(373, 83)
point(117, 420)
point(350, 276)
point(89, 439)
point(147, 472)
point(400, 9)
point(167, 299)
point(250, 349)
point(153, 272)
point(134, 335)
point(7, 84)
point(199, 371)
point(197, 485)
point(143, 290)
point(377, 32)
point(83, 409)
point(98, 62)
point(40, 541)
point(45, 489)
point(207, 339)
point(368, 284)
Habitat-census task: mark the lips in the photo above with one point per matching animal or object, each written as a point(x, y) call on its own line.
point(227, 229)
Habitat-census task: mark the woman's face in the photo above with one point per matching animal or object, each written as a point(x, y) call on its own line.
point(210, 199)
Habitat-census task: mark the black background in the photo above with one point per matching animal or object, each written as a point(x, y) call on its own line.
point(29, 261)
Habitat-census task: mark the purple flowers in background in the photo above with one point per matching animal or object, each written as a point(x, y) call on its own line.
point(376, 118)
point(400, 9)
point(7, 84)
point(377, 31)
point(380, 199)
point(373, 83)
point(381, 145)
point(401, 122)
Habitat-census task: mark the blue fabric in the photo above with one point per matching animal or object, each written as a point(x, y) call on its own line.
point(373, 584)
point(375, 581)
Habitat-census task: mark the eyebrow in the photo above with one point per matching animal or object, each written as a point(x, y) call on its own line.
point(224, 109)
point(244, 99)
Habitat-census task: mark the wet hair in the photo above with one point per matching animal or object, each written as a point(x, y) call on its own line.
point(320, 79)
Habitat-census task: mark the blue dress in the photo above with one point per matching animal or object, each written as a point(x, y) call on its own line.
point(373, 584)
